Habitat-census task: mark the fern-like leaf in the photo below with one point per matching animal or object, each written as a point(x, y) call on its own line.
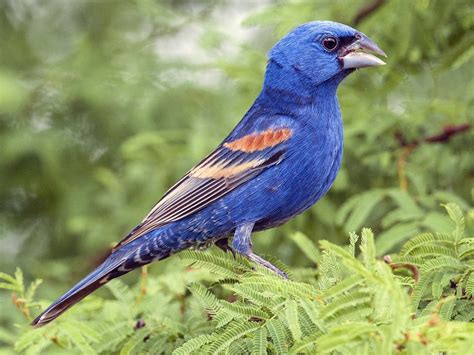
point(457, 217)
point(217, 262)
point(420, 289)
point(423, 239)
point(206, 298)
point(255, 294)
point(345, 302)
point(447, 308)
point(312, 310)
point(309, 249)
point(192, 345)
point(277, 333)
point(134, 342)
point(292, 319)
point(367, 248)
point(121, 291)
point(341, 335)
point(442, 263)
point(470, 285)
point(231, 333)
point(244, 310)
point(259, 342)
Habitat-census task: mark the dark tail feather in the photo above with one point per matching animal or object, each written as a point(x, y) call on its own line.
point(120, 262)
point(89, 284)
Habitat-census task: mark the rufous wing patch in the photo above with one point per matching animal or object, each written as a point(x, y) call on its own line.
point(259, 141)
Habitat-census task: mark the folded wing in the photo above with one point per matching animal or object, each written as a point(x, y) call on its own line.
point(230, 165)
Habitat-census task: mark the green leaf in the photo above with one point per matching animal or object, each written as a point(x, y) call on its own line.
point(344, 302)
point(419, 290)
point(292, 319)
point(457, 217)
point(347, 259)
point(277, 334)
point(308, 248)
point(470, 285)
point(121, 291)
point(365, 204)
point(244, 310)
point(206, 298)
point(345, 285)
point(405, 202)
point(392, 237)
point(312, 310)
point(217, 262)
point(426, 239)
point(259, 342)
point(8, 278)
point(135, 341)
point(192, 345)
point(353, 238)
point(19, 279)
point(447, 308)
point(367, 248)
point(231, 333)
point(442, 262)
point(75, 335)
point(440, 281)
point(342, 334)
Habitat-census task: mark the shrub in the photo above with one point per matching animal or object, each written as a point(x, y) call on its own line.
point(417, 301)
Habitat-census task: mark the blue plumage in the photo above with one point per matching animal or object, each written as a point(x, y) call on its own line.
point(278, 161)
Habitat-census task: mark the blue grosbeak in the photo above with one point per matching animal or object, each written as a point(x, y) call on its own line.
point(278, 161)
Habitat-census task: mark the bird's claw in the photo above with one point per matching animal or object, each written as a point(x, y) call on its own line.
point(259, 260)
point(223, 244)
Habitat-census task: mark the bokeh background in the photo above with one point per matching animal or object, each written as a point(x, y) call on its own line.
point(105, 104)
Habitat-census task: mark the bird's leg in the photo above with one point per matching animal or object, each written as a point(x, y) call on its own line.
point(223, 244)
point(242, 244)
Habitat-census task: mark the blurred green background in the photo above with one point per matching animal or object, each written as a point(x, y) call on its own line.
point(105, 104)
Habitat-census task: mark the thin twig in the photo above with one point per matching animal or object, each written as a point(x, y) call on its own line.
point(442, 137)
point(367, 10)
point(409, 266)
point(408, 147)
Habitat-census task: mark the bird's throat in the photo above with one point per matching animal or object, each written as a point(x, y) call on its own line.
point(285, 86)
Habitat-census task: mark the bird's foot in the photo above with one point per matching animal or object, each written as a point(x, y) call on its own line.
point(259, 260)
point(223, 244)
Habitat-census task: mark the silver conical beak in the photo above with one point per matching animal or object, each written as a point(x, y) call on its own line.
point(357, 55)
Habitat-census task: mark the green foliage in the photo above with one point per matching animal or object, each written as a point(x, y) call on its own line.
point(22, 296)
point(105, 104)
point(418, 301)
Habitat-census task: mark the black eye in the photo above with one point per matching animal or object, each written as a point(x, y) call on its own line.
point(330, 43)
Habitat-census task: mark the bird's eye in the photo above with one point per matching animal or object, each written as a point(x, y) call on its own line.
point(330, 43)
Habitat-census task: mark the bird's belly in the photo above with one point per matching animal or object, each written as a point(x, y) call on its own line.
point(293, 188)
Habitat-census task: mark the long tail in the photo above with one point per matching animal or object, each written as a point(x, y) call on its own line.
point(118, 263)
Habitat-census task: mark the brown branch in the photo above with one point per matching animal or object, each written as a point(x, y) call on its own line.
point(143, 284)
point(408, 147)
point(442, 137)
point(367, 10)
point(447, 133)
point(401, 166)
point(409, 266)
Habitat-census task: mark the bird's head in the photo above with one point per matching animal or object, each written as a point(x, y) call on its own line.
point(319, 51)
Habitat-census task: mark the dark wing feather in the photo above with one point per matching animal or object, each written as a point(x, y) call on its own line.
point(218, 174)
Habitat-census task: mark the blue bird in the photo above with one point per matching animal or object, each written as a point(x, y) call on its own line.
point(280, 159)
